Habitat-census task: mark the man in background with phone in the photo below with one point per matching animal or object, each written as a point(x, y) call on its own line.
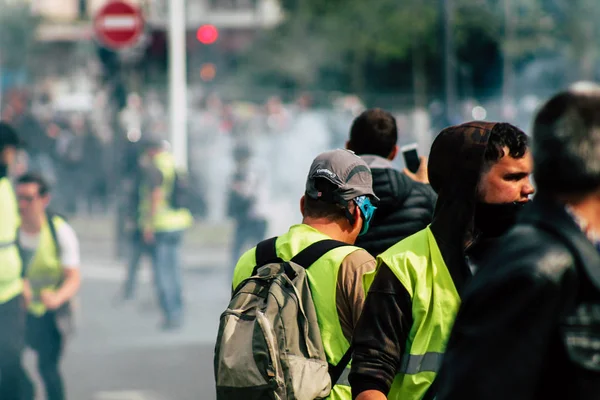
point(406, 199)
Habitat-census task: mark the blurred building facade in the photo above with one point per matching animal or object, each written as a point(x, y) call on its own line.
point(71, 19)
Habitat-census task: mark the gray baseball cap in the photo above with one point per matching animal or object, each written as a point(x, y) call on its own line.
point(349, 174)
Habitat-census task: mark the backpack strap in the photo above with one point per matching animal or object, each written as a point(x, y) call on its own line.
point(312, 253)
point(336, 371)
point(266, 253)
point(50, 218)
point(52, 227)
point(21, 253)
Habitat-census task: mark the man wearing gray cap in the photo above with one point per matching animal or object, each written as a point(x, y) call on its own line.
point(338, 204)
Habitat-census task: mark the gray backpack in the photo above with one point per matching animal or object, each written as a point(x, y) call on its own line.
point(269, 345)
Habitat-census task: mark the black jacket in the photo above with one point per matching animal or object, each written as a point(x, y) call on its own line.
point(529, 324)
point(405, 207)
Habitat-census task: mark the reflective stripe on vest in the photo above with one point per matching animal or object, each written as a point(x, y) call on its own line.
point(45, 270)
point(413, 364)
point(11, 283)
point(418, 264)
point(166, 218)
point(323, 282)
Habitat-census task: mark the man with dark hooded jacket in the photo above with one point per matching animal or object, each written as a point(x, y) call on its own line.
point(480, 172)
point(529, 325)
point(406, 204)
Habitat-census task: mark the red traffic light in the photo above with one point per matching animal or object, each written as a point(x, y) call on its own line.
point(207, 34)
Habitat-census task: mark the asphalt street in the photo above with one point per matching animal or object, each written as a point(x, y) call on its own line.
point(119, 352)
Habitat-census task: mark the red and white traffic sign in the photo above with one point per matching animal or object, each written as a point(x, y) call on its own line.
point(118, 24)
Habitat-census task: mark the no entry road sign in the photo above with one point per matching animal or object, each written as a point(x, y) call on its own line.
point(118, 24)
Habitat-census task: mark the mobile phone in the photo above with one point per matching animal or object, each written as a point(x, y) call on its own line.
point(411, 157)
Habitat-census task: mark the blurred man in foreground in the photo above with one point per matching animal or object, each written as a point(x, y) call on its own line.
point(480, 171)
point(12, 308)
point(50, 252)
point(529, 325)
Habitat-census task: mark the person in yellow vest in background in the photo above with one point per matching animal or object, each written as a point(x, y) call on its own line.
point(337, 205)
point(163, 222)
point(13, 378)
point(50, 253)
point(480, 171)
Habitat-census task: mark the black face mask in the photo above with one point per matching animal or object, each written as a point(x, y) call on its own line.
point(496, 219)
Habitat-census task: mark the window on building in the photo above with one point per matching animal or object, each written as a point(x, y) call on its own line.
point(82, 10)
point(233, 4)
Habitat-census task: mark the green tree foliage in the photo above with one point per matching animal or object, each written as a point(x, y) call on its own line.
point(343, 37)
point(346, 38)
point(577, 33)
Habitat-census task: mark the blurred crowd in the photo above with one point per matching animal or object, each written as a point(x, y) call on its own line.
point(88, 149)
point(68, 148)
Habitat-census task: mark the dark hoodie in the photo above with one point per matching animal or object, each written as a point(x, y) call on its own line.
point(455, 165)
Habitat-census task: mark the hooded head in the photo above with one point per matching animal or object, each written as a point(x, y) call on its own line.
point(480, 171)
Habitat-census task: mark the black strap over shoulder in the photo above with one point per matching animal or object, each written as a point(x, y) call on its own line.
point(266, 253)
point(50, 217)
point(336, 371)
point(52, 227)
point(312, 253)
point(21, 253)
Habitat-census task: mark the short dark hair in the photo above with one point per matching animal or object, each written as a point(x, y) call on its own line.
point(373, 132)
point(30, 177)
point(319, 208)
point(505, 135)
point(566, 150)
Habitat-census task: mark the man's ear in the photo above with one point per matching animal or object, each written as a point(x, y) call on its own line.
point(356, 214)
point(393, 153)
point(47, 199)
point(302, 203)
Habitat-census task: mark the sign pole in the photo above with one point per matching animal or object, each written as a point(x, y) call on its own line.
point(118, 25)
point(177, 82)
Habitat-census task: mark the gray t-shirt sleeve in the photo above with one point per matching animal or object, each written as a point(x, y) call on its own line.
point(350, 297)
